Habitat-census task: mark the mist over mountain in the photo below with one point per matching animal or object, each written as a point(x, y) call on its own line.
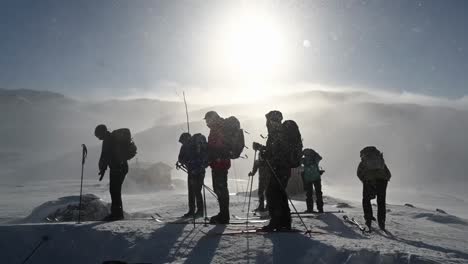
point(40, 126)
point(425, 145)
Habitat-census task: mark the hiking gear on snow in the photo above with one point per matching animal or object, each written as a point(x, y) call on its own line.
point(124, 147)
point(372, 158)
point(197, 152)
point(373, 175)
point(188, 214)
point(234, 137)
point(250, 191)
point(372, 166)
point(43, 240)
point(199, 213)
point(113, 217)
point(219, 219)
point(84, 154)
point(352, 221)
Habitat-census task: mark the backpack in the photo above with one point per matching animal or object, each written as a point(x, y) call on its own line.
point(124, 148)
point(311, 156)
point(312, 171)
point(372, 158)
point(198, 151)
point(233, 137)
point(294, 143)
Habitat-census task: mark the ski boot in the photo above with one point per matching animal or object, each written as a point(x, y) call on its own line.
point(199, 213)
point(369, 226)
point(382, 226)
point(113, 217)
point(188, 214)
point(219, 220)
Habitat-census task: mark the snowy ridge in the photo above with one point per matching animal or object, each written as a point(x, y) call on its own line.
point(419, 236)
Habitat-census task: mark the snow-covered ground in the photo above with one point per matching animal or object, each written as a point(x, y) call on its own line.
point(419, 236)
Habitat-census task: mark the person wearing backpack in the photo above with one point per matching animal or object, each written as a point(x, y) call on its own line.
point(193, 157)
point(374, 175)
point(220, 162)
point(282, 152)
point(311, 177)
point(182, 162)
point(263, 180)
point(117, 148)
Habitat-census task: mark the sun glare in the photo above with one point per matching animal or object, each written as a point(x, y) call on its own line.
point(252, 47)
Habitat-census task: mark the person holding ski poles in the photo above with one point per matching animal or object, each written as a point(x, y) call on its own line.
point(282, 152)
point(311, 178)
point(374, 175)
point(193, 159)
point(263, 180)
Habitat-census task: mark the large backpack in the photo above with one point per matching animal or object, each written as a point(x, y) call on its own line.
point(372, 158)
point(124, 147)
point(311, 156)
point(233, 137)
point(198, 149)
point(294, 143)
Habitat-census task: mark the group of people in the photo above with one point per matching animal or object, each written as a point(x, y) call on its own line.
point(282, 152)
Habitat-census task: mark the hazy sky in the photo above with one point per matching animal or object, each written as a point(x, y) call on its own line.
point(127, 48)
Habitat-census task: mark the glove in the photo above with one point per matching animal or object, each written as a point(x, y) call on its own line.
point(101, 173)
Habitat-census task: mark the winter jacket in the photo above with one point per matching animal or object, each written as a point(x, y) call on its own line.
point(372, 175)
point(277, 150)
point(218, 155)
point(108, 156)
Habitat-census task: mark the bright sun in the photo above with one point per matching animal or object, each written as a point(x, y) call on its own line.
point(252, 47)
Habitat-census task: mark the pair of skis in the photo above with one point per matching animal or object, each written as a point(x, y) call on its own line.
point(363, 229)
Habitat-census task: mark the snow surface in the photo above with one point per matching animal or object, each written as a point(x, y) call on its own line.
point(419, 236)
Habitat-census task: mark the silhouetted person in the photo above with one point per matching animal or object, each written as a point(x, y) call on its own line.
point(374, 175)
point(118, 169)
point(193, 157)
point(276, 153)
point(264, 175)
point(311, 177)
point(220, 162)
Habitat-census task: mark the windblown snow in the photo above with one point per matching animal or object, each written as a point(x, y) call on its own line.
point(417, 236)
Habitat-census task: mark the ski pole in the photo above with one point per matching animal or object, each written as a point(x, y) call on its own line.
point(204, 205)
point(250, 195)
point(43, 239)
point(290, 201)
point(212, 192)
point(245, 197)
point(84, 154)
